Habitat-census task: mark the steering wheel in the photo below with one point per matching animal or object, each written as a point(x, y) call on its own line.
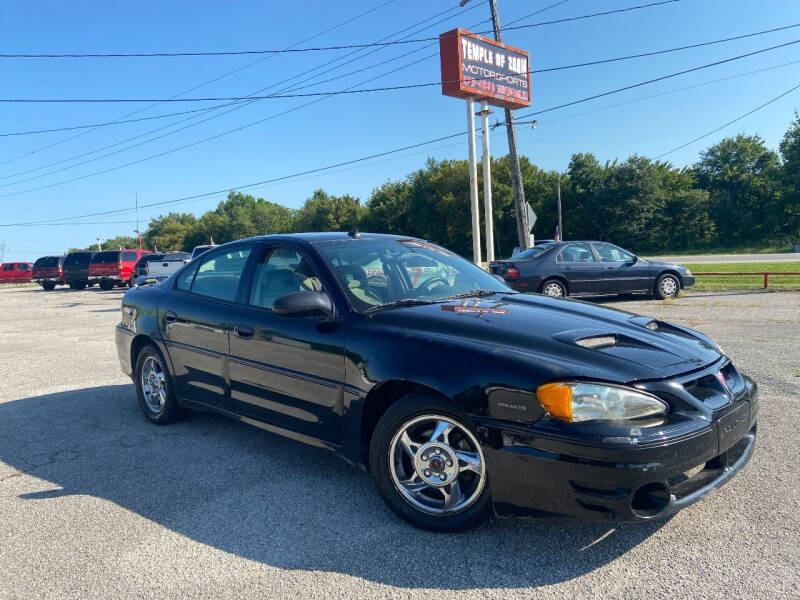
point(427, 286)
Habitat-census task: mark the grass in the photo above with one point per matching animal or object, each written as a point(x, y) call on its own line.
point(771, 249)
point(715, 283)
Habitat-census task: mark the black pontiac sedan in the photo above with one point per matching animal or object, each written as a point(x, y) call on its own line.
point(462, 397)
point(578, 268)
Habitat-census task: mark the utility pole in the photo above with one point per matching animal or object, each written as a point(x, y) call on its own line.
point(2, 251)
point(523, 231)
point(99, 247)
point(560, 225)
point(137, 211)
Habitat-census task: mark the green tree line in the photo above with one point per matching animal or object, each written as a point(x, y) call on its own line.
point(739, 194)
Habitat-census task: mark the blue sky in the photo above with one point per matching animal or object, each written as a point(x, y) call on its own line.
point(341, 128)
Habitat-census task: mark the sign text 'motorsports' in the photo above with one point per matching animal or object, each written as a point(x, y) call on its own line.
point(475, 66)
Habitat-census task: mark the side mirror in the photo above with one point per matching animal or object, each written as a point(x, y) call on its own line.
point(304, 304)
point(634, 260)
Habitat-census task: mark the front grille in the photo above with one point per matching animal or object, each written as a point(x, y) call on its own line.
point(711, 391)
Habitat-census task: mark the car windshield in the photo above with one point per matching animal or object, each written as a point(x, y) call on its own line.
point(383, 272)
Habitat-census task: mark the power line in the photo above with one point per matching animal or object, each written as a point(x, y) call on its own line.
point(239, 105)
point(362, 159)
point(657, 79)
point(346, 91)
point(320, 48)
point(731, 122)
point(227, 132)
point(207, 82)
point(537, 71)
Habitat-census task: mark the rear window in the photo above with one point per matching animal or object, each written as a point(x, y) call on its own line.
point(46, 262)
point(77, 258)
point(530, 253)
point(106, 257)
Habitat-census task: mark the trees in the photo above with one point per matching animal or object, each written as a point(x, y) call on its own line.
point(325, 212)
point(790, 179)
point(739, 192)
point(741, 176)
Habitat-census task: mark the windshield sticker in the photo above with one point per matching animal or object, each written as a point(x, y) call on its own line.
point(426, 246)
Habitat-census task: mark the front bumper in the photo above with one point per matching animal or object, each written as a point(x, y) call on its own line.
point(536, 473)
point(687, 281)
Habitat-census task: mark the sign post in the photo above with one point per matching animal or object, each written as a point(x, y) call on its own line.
point(473, 183)
point(473, 67)
point(487, 181)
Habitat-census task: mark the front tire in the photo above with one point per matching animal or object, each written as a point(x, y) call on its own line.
point(154, 388)
point(553, 288)
point(49, 286)
point(428, 465)
point(667, 286)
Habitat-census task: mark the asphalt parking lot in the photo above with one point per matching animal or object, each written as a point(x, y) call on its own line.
point(97, 502)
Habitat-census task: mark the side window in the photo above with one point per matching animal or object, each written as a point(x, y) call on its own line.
point(184, 280)
point(8, 267)
point(576, 253)
point(282, 272)
point(128, 256)
point(609, 253)
point(219, 273)
point(23, 267)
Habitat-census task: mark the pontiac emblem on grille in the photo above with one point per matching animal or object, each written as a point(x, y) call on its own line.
point(721, 379)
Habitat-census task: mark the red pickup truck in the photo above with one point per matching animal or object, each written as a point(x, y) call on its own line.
point(16, 272)
point(114, 267)
point(48, 272)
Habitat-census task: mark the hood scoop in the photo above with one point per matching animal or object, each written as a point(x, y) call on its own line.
point(597, 341)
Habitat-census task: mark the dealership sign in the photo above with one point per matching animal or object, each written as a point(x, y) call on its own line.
point(477, 67)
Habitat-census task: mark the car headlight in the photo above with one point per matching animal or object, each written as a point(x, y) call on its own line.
point(688, 271)
point(574, 402)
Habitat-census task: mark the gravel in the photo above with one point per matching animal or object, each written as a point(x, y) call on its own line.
point(97, 502)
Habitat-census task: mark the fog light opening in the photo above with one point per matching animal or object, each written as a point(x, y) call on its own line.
point(650, 500)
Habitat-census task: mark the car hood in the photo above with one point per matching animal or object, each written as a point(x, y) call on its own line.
point(548, 329)
point(662, 265)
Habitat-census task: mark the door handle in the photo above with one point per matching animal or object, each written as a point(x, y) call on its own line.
point(243, 331)
point(608, 268)
point(170, 317)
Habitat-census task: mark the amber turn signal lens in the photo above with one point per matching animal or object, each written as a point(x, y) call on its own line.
point(556, 398)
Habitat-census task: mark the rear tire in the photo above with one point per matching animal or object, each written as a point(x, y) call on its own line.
point(79, 285)
point(49, 286)
point(154, 388)
point(434, 481)
point(106, 284)
point(667, 286)
point(554, 288)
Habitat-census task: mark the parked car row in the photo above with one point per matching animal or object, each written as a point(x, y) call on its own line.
point(106, 269)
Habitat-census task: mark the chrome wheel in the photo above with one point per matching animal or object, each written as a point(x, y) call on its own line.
point(437, 465)
point(668, 287)
point(553, 289)
point(154, 384)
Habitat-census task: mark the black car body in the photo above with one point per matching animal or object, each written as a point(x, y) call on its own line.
point(589, 268)
point(76, 269)
point(332, 366)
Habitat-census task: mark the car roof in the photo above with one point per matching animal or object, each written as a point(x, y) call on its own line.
point(326, 236)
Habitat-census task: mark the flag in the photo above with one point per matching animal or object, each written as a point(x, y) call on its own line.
point(557, 235)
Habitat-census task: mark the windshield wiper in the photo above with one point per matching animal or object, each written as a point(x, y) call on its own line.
point(398, 304)
point(471, 294)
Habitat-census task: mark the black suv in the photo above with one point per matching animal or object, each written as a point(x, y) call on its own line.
point(76, 269)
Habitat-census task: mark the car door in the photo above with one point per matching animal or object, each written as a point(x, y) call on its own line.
point(580, 267)
point(195, 322)
point(622, 273)
point(7, 273)
point(287, 371)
